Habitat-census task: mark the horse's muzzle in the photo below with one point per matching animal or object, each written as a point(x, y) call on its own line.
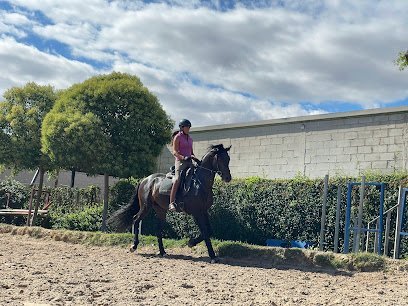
point(226, 178)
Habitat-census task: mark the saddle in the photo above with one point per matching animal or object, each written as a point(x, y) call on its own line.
point(188, 183)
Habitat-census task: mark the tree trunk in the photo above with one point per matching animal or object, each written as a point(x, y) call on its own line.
point(72, 178)
point(105, 202)
point(56, 180)
point(39, 193)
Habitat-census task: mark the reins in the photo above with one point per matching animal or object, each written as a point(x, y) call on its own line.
point(213, 171)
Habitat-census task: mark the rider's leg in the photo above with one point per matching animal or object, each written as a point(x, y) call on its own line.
point(172, 206)
point(176, 182)
point(179, 166)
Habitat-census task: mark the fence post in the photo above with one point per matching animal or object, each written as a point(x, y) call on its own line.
point(368, 236)
point(398, 223)
point(360, 216)
point(337, 227)
point(376, 236)
point(387, 233)
point(347, 221)
point(323, 221)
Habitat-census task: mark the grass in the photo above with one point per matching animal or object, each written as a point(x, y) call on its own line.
point(236, 250)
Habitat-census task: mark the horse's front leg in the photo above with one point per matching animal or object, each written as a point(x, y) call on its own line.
point(159, 234)
point(194, 241)
point(203, 223)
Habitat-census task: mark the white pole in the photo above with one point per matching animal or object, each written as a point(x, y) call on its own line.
point(387, 233)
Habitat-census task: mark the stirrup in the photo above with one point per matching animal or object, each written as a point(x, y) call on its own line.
point(172, 206)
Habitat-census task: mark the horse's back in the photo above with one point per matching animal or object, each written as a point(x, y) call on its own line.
point(152, 180)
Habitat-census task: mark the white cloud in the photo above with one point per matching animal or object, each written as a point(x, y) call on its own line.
point(255, 61)
point(27, 64)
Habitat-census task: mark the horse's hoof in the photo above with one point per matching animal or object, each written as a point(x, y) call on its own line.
point(191, 243)
point(162, 254)
point(132, 249)
point(214, 260)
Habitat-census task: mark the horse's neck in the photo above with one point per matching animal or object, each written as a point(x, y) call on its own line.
point(206, 173)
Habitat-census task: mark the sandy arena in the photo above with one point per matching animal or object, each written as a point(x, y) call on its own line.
point(46, 272)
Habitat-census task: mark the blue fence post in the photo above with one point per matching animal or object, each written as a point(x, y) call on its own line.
point(381, 228)
point(347, 225)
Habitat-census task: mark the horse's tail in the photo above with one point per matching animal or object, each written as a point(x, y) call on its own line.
point(122, 219)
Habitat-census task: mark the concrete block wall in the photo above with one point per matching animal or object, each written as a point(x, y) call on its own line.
point(336, 144)
point(64, 179)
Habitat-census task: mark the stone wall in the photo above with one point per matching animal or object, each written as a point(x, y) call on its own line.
point(336, 144)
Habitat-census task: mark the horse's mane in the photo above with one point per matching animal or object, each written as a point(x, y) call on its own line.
point(216, 147)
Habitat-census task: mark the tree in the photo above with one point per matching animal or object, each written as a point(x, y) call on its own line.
point(402, 60)
point(109, 124)
point(21, 116)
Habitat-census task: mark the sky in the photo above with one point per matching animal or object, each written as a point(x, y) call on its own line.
point(216, 62)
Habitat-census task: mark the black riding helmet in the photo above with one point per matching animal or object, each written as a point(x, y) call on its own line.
point(184, 122)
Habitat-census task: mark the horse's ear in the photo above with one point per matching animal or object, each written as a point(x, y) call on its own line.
point(227, 149)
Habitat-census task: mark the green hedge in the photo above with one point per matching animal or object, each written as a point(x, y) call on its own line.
point(253, 210)
point(17, 196)
point(248, 210)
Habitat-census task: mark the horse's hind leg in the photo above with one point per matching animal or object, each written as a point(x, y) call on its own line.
point(135, 227)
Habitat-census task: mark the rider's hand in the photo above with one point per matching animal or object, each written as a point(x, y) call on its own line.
point(187, 157)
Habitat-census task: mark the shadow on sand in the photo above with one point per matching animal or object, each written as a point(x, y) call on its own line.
point(301, 263)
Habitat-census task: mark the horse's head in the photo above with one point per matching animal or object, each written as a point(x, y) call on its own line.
point(220, 161)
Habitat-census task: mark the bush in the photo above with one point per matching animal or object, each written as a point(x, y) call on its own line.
point(89, 219)
point(17, 196)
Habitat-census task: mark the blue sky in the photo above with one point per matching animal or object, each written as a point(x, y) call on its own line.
point(216, 62)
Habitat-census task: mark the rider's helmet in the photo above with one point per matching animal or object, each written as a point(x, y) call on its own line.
point(184, 122)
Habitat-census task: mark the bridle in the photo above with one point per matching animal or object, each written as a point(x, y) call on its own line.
point(218, 171)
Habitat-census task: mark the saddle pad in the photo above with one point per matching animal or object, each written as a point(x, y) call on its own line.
point(165, 186)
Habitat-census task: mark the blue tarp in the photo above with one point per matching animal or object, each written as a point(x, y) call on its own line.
point(288, 243)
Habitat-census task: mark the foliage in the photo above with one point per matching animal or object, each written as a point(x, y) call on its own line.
point(89, 219)
point(402, 60)
point(21, 116)
point(253, 210)
point(17, 192)
point(247, 210)
point(107, 124)
point(17, 196)
point(121, 193)
point(75, 208)
point(367, 262)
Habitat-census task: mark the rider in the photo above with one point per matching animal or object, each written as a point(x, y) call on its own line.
point(183, 153)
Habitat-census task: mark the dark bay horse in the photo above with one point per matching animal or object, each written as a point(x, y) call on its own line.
point(147, 196)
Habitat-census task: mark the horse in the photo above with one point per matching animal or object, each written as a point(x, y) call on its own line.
point(147, 196)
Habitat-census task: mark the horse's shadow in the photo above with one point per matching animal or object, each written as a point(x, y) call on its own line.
point(260, 263)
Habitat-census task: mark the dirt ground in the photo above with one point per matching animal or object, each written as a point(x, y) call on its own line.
point(46, 272)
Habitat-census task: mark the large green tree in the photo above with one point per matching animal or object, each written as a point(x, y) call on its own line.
point(109, 124)
point(21, 116)
point(402, 60)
